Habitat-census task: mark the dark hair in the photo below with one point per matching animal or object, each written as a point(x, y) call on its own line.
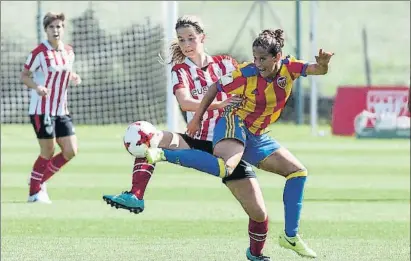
point(271, 40)
point(177, 55)
point(51, 17)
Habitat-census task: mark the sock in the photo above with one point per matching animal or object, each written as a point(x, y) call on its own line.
point(142, 172)
point(257, 231)
point(199, 160)
point(293, 201)
point(54, 165)
point(37, 174)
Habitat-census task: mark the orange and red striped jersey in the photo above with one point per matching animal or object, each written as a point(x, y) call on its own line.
point(264, 99)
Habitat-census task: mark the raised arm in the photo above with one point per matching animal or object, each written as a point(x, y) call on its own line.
point(321, 67)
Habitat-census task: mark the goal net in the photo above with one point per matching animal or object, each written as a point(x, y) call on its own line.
point(122, 78)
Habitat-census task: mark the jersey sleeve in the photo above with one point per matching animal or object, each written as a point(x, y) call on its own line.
point(33, 61)
point(295, 67)
point(179, 80)
point(232, 83)
point(230, 64)
point(234, 63)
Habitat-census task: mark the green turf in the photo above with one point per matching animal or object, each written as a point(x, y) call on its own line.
point(356, 207)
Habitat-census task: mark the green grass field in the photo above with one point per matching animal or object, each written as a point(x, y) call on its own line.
point(357, 203)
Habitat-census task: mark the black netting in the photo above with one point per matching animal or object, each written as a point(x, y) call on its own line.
point(122, 80)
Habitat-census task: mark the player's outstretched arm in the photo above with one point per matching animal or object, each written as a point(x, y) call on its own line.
point(321, 67)
point(194, 125)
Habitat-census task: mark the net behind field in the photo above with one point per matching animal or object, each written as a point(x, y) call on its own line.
point(112, 20)
point(122, 79)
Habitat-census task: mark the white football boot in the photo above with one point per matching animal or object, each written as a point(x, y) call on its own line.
point(40, 197)
point(43, 197)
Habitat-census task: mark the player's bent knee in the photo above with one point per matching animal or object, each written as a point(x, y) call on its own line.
point(227, 166)
point(258, 215)
point(299, 173)
point(225, 170)
point(70, 153)
point(165, 138)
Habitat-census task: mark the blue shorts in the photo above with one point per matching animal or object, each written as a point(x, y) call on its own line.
point(257, 147)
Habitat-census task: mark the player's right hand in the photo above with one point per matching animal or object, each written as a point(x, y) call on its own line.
point(323, 58)
point(232, 101)
point(193, 127)
point(41, 90)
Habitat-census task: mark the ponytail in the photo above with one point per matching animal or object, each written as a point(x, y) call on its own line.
point(177, 55)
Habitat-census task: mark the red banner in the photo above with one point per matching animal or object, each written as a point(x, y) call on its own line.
point(351, 100)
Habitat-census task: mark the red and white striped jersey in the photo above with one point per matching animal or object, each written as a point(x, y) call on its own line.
point(52, 69)
point(197, 80)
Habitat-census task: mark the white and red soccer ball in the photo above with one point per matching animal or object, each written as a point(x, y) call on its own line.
point(140, 136)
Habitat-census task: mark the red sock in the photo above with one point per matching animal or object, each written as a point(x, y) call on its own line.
point(257, 231)
point(142, 172)
point(54, 165)
point(37, 174)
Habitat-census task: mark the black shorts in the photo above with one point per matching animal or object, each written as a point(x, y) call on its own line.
point(243, 169)
point(52, 126)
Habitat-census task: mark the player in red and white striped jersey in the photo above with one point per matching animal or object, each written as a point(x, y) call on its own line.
point(193, 72)
point(47, 72)
point(190, 80)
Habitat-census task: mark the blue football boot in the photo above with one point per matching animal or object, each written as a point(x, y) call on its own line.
point(125, 200)
point(256, 258)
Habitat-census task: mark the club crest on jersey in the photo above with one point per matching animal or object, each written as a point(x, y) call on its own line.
point(282, 82)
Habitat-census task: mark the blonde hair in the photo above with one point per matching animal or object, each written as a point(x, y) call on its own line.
point(177, 55)
point(51, 17)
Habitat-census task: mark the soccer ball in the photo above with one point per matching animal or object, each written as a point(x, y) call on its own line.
point(140, 136)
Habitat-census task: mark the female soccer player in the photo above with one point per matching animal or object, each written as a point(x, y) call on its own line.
point(265, 86)
point(47, 72)
point(193, 72)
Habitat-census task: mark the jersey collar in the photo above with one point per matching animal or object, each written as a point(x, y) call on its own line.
point(193, 65)
point(49, 47)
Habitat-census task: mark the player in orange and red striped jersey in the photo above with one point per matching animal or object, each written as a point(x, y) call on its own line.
point(265, 86)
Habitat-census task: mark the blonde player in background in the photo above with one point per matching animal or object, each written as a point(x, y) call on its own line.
point(47, 72)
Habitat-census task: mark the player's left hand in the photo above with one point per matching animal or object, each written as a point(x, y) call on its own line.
point(76, 79)
point(323, 58)
point(193, 127)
